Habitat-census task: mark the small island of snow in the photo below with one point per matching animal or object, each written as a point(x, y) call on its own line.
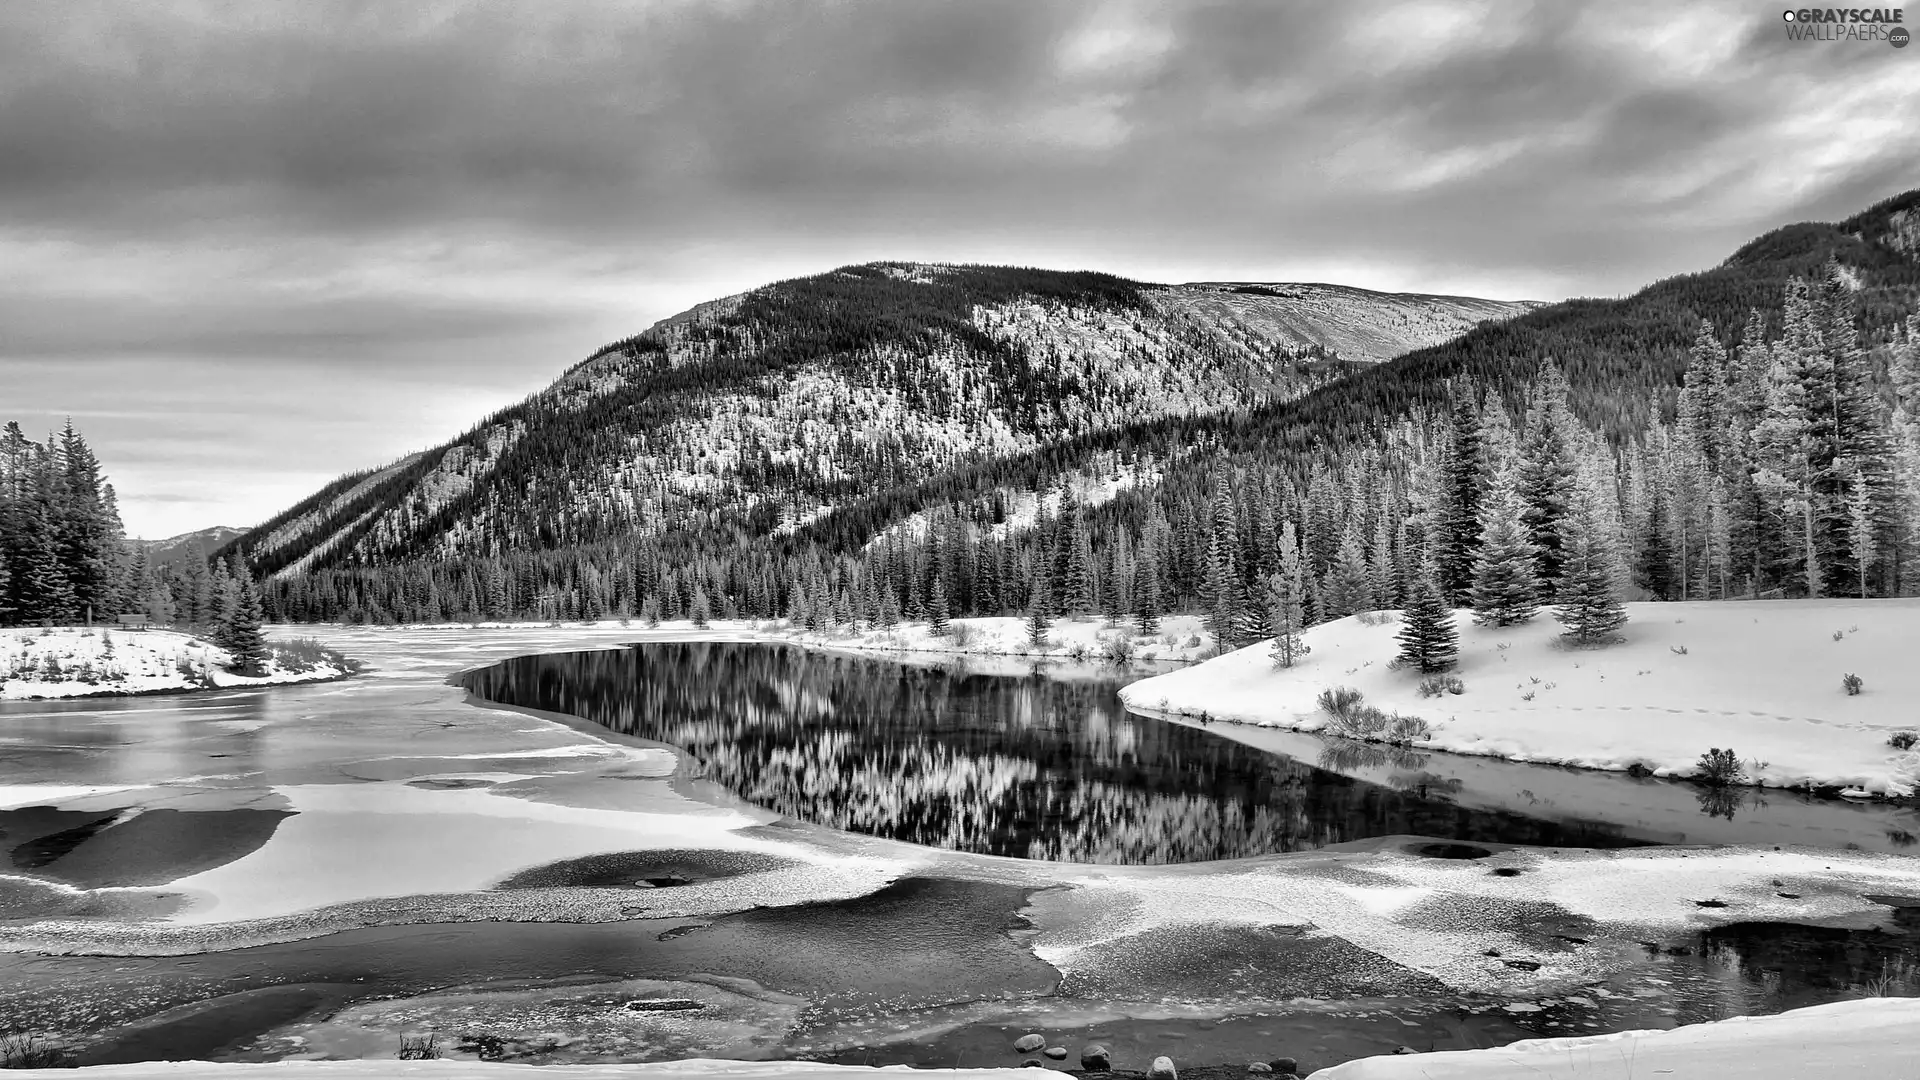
point(64, 662)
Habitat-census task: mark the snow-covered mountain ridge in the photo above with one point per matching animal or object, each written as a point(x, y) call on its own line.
point(761, 411)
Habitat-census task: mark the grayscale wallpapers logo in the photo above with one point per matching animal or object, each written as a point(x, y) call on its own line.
point(1847, 24)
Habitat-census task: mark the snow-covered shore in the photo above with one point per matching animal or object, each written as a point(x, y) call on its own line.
point(1179, 638)
point(1876, 1037)
point(1762, 678)
point(67, 662)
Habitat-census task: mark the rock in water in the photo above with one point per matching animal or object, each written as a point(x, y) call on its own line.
point(1096, 1059)
point(1057, 1053)
point(1033, 1063)
point(1259, 1067)
point(1027, 1044)
point(1162, 1069)
point(1406, 1050)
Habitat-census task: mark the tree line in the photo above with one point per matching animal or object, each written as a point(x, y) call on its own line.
point(1788, 466)
point(65, 558)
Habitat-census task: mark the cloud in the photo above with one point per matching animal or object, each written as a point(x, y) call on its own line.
point(483, 193)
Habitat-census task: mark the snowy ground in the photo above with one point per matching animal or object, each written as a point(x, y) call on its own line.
point(1872, 1038)
point(1762, 678)
point(64, 662)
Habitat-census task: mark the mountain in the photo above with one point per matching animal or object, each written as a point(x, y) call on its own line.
point(175, 550)
point(757, 414)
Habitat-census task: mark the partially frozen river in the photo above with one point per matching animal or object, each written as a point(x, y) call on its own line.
point(750, 850)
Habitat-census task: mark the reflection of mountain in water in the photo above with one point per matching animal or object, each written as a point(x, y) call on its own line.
point(1023, 766)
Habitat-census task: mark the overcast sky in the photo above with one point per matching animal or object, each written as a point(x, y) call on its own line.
point(249, 247)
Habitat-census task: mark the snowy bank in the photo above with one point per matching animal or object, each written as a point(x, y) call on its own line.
point(1763, 678)
point(1180, 638)
point(1877, 1037)
point(64, 662)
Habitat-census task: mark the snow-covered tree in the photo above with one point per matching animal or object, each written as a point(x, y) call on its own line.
point(1286, 600)
point(1428, 640)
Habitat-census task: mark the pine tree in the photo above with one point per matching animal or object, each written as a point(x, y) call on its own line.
point(1345, 590)
point(1286, 601)
point(245, 643)
point(889, 609)
point(1079, 601)
point(1655, 571)
point(1146, 589)
point(1588, 599)
point(1860, 529)
point(1505, 592)
point(1545, 477)
point(700, 609)
point(1463, 476)
point(1428, 640)
point(1038, 609)
point(1226, 604)
point(937, 616)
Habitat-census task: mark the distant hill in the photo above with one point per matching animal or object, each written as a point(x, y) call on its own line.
point(175, 550)
point(759, 413)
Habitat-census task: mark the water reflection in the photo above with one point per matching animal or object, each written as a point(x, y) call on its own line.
point(1030, 766)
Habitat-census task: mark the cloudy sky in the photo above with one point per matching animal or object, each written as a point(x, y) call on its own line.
point(251, 246)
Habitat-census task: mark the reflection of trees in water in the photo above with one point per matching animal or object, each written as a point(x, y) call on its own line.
point(1027, 766)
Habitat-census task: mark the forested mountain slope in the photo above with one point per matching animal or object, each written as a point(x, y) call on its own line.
point(1002, 441)
point(761, 412)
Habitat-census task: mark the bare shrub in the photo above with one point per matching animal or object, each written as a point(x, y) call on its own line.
point(963, 635)
point(1118, 652)
point(1678, 650)
point(1721, 768)
point(1376, 618)
point(1077, 652)
point(1338, 701)
point(29, 1050)
point(1435, 685)
point(304, 654)
point(1903, 740)
point(1403, 729)
point(419, 1047)
point(1852, 684)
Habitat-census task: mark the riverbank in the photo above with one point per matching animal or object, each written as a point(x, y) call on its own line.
point(75, 662)
point(386, 842)
point(1177, 639)
point(1764, 679)
point(1873, 1037)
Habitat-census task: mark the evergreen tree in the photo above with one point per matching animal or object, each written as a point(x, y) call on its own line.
point(1545, 479)
point(1345, 590)
point(1146, 589)
point(700, 609)
point(1226, 604)
point(1462, 474)
point(1588, 599)
point(1286, 600)
point(1860, 530)
point(1428, 640)
point(937, 617)
point(1079, 601)
point(1038, 609)
point(889, 609)
point(245, 642)
point(1654, 567)
point(1505, 592)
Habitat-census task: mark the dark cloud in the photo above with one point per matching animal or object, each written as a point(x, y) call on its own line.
point(491, 189)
